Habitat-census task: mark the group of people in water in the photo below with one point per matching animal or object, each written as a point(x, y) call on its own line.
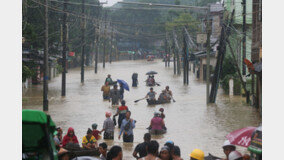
point(149, 149)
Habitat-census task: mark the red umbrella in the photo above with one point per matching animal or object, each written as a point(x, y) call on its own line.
point(241, 137)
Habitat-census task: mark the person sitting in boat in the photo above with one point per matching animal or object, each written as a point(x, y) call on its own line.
point(121, 111)
point(70, 137)
point(151, 95)
point(157, 124)
point(163, 97)
point(151, 80)
point(106, 91)
point(168, 93)
point(89, 141)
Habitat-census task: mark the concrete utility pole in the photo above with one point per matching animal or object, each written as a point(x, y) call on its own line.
point(166, 51)
point(63, 90)
point(97, 36)
point(111, 39)
point(244, 36)
point(104, 56)
point(83, 27)
point(208, 29)
point(45, 68)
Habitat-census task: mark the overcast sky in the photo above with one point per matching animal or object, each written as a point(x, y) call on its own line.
point(110, 2)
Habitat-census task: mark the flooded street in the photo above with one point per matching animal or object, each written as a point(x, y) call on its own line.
point(191, 123)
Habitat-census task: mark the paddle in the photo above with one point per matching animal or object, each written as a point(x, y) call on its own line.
point(157, 84)
point(139, 100)
point(173, 99)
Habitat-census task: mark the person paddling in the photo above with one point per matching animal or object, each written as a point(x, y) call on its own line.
point(151, 95)
point(168, 92)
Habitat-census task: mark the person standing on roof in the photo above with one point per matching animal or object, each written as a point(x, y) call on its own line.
point(121, 111)
point(108, 127)
point(114, 95)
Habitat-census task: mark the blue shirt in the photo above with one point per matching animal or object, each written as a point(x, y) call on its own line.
point(124, 122)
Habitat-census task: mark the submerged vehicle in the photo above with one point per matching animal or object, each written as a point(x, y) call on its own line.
point(37, 135)
point(37, 138)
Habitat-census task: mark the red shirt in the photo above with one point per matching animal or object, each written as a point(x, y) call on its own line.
point(96, 134)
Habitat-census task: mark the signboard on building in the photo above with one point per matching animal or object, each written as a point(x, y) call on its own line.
point(201, 38)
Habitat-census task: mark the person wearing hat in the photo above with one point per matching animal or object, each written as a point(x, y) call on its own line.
point(95, 132)
point(197, 154)
point(228, 148)
point(114, 95)
point(165, 153)
point(108, 127)
point(235, 155)
point(89, 141)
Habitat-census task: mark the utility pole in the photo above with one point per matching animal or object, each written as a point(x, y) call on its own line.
point(63, 90)
point(244, 36)
point(45, 68)
point(111, 39)
point(83, 27)
point(208, 29)
point(175, 64)
point(166, 51)
point(104, 56)
point(97, 36)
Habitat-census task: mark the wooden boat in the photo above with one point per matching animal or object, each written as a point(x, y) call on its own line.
point(153, 102)
point(157, 132)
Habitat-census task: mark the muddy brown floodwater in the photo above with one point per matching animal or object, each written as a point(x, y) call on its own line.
point(191, 123)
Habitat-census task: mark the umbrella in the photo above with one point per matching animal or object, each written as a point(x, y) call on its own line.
point(125, 85)
point(151, 72)
point(241, 137)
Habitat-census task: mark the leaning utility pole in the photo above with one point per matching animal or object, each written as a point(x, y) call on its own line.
point(83, 27)
point(45, 68)
point(244, 36)
point(63, 90)
point(208, 29)
point(104, 56)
